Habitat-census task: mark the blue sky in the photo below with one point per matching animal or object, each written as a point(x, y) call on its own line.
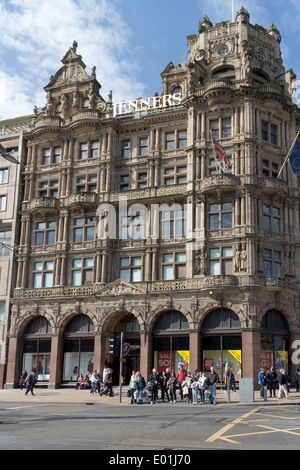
point(129, 41)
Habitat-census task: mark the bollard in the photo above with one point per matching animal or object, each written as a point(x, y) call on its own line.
point(265, 393)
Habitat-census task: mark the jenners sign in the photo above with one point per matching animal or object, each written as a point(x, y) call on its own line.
point(145, 104)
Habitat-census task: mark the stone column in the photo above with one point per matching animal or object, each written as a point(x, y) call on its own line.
point(145, 358)
point(194, 350)
point(55, 361)
point(14, 362)
point(251, 354)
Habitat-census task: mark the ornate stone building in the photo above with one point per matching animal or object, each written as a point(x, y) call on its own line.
point(195, 265)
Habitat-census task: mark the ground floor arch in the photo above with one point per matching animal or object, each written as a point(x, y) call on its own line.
point(168, 337)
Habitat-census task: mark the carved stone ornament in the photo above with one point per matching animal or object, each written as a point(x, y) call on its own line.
point(120, 288)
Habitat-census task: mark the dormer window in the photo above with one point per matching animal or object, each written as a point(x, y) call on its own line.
point(85, 104)
point(58, 110)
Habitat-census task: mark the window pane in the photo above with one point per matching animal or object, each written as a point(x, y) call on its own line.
point(51, 238)
point(76, 278)
point(39, 238)
point(136, 275)
point(214, 268)
point(48, 280)
point(89, 262)
point(168, 273)
point(226, 220)
point(124, 275)
point(124, 262)
point(168, 258)
point(226, 252)
point(137, 261)
point(214, 222)
point(181, 257)
point(214, 253)
point(37, 281)
point(78, 235)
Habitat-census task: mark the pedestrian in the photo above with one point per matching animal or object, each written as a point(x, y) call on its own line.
point(23, 379)
point(187, 385)
point(283, 384)
point(133, 387)
point(262, 380)
point(141, 384)
point(212, 381)
point(154, 381)
point(297, 380)
point(107, 383)
point(271, 381)
point(30, 383)
point(231, 380)
point(171, 386)
point(194, 388)
point(99, 381)
point(181, 375)
point(94, 381)
point(163, 380)
point(202, 387)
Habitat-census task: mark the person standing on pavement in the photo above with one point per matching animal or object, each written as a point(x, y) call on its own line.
point(154, 381)
point(283, 384)
point(271, 381)
point(133, 387)
point(141, 384)
point(30, 383)
point(94, 382)
point(202, 387)
point(262, 380)
point(181, 375)
point(212, 381)
point(163, 380)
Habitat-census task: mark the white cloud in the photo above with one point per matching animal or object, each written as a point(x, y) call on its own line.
point(38, 33)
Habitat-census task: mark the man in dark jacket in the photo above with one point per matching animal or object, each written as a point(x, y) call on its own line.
point(30, 382)
point(271, 380)
point(212, 381)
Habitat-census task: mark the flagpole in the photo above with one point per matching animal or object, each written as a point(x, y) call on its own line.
point(232, 7)
point(288, 155)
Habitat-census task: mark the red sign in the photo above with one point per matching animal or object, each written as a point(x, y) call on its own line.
point(164, 360)
point(208, 363)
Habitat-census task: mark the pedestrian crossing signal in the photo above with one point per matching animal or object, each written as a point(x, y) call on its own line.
point(125, 349)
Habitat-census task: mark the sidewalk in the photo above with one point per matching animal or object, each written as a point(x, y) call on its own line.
point(83, 397)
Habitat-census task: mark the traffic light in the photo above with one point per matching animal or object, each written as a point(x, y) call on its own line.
point(125, 349)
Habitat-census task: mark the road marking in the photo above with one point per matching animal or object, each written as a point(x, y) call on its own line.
point(25, 406)
point(219, 434)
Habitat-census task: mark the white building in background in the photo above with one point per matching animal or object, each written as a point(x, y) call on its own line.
point(11, 187)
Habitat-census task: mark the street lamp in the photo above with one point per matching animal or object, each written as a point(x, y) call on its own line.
point(7, 156)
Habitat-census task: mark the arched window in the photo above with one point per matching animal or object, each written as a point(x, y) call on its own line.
point(171, 341)
point(37, 348)
point(274, 341)
point(78, 348)
point(221, 318)
point(274, 320)
point(128, 324)
point(80, 324)
point(38, 326)
point(172, 320)
point(222, 342)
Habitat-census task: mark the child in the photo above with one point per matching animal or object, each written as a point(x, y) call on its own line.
point(195, 387)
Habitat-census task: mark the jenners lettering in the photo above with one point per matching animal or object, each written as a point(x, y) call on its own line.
point(144, 104)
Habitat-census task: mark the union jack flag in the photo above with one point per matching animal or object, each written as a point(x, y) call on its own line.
point(220, 155)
